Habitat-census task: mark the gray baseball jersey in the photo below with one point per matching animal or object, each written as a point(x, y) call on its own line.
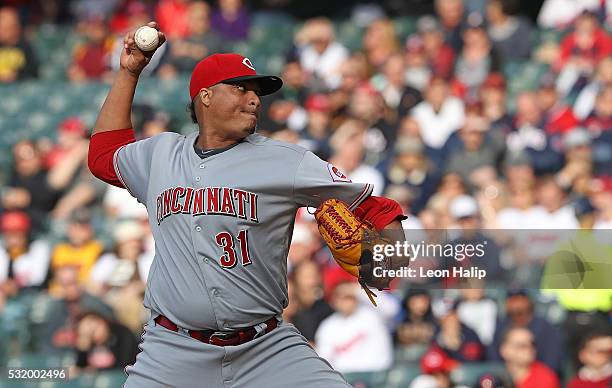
point(222, 225)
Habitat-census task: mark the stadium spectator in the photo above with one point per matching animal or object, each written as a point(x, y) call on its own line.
point(348, 153)
point(558, 117)
point(354, 338)
point(231, 20)
point(418, 71)
point(173, 18)
point(560, 14)
point(315, 136)
point(576, 174)
point(119, 276)
point(492, 98)
point(452, 18)
point(439, 115)
point(418, 324)
point(319, 53)
point(199, 42)
point(511, 35)
point(595, 355)
point(547, 340)
point(411, 169)
point(521, 209)
point(90, 58)
point(437, 368)
point(68, 302)
point(17, 59)
point(479, 151)
point(103, 344)
point(380, 43)
point(478, 312)
point(24, 261)
point(312, 309)
point(457, 340)
point(585, 101)
point(528, 136)
point(303, 246)
point(518, 352)
point(581, 51)
point(29, 187)
point(476, 59)
point(440, 57)
point(398, 95)
point(601, 196)
point(81, 250)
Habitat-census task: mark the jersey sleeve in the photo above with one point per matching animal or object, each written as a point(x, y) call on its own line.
point(132, 163)
point(317, 180)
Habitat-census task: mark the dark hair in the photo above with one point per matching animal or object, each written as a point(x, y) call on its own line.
point(191, 110)
point(592, 336)
point(509, 330)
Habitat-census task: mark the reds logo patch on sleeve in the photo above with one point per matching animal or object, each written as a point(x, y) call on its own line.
point(336, 174)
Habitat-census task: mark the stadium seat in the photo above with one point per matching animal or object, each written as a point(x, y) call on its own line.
point(366, 379)
point(400, 375)
point(404, 27)
point(408, 354)
point(468, 373)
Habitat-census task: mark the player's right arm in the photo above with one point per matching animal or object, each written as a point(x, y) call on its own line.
point(113, 128)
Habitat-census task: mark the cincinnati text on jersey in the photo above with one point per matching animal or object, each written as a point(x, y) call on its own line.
point(207, 201)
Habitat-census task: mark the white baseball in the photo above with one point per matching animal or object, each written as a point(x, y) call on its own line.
point(146, 38)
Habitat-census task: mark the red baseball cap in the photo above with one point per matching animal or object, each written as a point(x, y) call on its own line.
point(15, 221)
point(437, 361)
point(73, 125)
point(229, 68)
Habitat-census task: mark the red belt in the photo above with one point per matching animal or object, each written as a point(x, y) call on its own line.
point(230, 338)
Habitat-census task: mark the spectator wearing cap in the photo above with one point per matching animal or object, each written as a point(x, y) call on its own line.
point(17, 59)
point(595, 355)
point(66, 159)
point(119, 277)
point(511, 35)
point(319, 54)
point(81, 250)
point(437, 364)
point(492, 96)
point(480, 151)
point(440, 56)
point(599, 125)
point(348, 155)
point(231, 20)
point(29, 188)
point(555, 210)
point(467, 216)
point(90, 58)
point(519, 354)
point(529, 137)
point(312, 308)
point(24, 262)
point(577, 172)
point(315, 137)
point(558, 117)
point(418, 324)
point(198, 43)
point(452, 336)
point(547, 338)
point(476, 59)
point(438, 116)
point(410, 168)
point(354, 338)
point(418, 70)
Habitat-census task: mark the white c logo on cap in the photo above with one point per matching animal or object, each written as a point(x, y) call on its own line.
point(247, 63)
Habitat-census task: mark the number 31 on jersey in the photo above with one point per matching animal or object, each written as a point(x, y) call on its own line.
point(226, 241)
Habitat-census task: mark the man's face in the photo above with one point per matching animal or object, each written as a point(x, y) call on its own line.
point(234, 109)
point(519, 348)
point(519, 310)
point(597, 352)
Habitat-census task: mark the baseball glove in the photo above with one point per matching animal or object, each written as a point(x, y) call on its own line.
point(351, 241)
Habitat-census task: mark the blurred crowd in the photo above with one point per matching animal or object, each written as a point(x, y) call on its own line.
point(430, 120)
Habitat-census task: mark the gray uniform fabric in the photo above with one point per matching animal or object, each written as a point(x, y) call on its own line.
point(222, 228)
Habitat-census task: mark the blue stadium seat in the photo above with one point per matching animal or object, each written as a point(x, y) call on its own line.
point(468, 373)
point(401, 375)
point(366, 379)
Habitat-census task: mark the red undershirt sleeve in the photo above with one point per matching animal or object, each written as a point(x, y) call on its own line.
point(102, 148)
point(379, 211)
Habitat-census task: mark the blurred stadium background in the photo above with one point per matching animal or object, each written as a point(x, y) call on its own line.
point(497, 112)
